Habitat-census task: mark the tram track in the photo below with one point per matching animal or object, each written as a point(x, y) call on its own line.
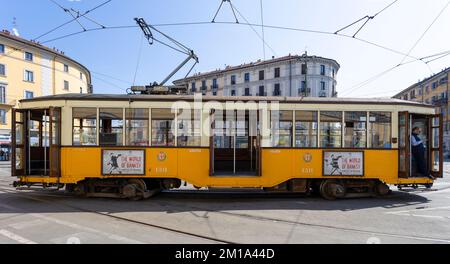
point(123, 219)
point(239, 215)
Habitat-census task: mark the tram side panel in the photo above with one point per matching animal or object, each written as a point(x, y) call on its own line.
point(192, 165)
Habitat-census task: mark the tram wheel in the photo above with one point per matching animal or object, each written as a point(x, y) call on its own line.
point(332, 190)
point(137, 187)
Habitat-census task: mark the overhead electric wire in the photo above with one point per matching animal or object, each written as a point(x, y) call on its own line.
point(368, 18)
point(426, 30)
point(262, 28)
point(402, 62)
point(139, 59)
point(371, 79)
point(70, 21)
point(220, 7)
point(254, 30)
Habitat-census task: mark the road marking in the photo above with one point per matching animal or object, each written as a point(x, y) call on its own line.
point(419, 210)
point(16, 237)
point(88, 229)
point(28, 224)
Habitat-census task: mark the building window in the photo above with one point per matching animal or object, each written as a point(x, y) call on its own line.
point(28, 95)
point(189, 128)
point(413, 94)
point(66, 68)
point(2, 70)
point(28, 76)
point(28, 56)
point(247, 92)
point(261, 75)
point(305, 129)
point(2, 49)
point(81, 90)
point(262, 91)
point(322, 69)
point(304, 69)
point(277, 90)
point(111, 126)
point(66, 85)
point(419, 91)
point(215, 86)
point(81, 76)
point(84, 126)
point(330, 129)
point(277, 73)
point(233, 79)
point(434, 85)
point(3, 116)
point(281, 128)
point(162, 121)
point(137, 125)
point(233, 92)
point(193, 89)
point(334, 73)
point(380, 129)
point(2, 94)
point(355, 130)
point(247, 77)
point(322, 86)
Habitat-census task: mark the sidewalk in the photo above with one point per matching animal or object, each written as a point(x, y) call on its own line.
point(5, 164)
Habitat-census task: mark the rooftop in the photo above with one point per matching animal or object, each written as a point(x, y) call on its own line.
point(446, 70)
point(257, 63)
point(35, 44)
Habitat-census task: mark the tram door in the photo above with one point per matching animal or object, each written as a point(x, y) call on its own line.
point(431, 136)
point(235, 143)
point(36, 139)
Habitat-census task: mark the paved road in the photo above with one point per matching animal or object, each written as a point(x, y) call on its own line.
point(36, 217)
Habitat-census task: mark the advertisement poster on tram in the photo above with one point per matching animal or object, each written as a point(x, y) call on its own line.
point(343, 163)
point(123, 162)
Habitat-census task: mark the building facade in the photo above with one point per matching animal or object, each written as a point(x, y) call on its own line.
point(433, 90)
point(27, 70)
point(290, 76)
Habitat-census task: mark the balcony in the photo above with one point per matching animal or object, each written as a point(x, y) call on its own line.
point(440, 101)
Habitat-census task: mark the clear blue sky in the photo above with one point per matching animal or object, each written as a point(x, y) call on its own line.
point(115, 52)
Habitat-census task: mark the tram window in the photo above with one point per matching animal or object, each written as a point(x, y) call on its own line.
point(111, 126)
point(84, 126)
point(305, 129)
point(380, 129)
point(189, 128)
point(162, 121)
point(330, 129)
point(281, 126)
point(355, 129)
point(137, 127)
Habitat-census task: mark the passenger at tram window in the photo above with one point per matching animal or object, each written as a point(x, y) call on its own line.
point(330, 129)
point(137, 125)
point(281, 126)
point(380, 129)
point(189, 128)
point(305, 129)
point(355, 129)
point(162, 128)
point(111, 126)
point(84, 126)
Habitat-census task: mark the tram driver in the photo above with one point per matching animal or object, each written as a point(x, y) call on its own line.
point(418, 151)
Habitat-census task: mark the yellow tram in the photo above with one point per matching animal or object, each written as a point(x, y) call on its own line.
point(132, 146)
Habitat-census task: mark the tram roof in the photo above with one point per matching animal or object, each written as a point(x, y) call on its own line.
point(168, 98)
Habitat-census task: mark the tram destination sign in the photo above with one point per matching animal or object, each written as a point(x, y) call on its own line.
point(123, 162)
point(341, 163)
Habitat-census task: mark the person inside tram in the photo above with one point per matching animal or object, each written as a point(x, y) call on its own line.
point(418, 150)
